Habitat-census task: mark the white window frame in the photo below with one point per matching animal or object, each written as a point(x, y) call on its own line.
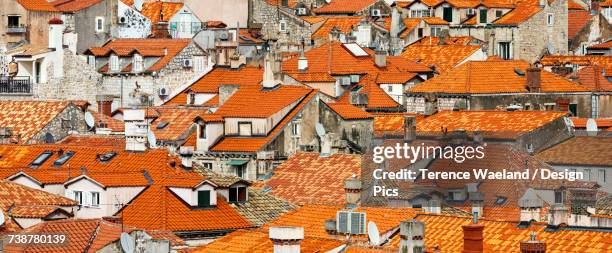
point(99, 22)
point(301, 11)
point(78, 197)
point(95, 199)
point(550, 19)
point(113, 63)
point(282, 26)
point(138, 63)
point(296, 129)
point(91, 60)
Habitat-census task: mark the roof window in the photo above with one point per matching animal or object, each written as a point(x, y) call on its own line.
point(41, 159)
point(63, 158)
point(162, 124)
point(107, 156)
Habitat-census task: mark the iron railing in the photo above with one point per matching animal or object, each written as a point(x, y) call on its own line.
point(15, 85)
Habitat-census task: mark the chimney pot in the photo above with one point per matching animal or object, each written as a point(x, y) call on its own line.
point(473, 238)
point(533, 245)
point(534, 78)
point(352, 188)
point(286, 239)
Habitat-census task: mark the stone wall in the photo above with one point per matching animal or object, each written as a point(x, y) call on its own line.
point(269, 16)
point(356, 131)
point(70, 120)
point(535, 34)
point(596, 30)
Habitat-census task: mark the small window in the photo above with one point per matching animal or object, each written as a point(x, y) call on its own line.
point(483, 16)
point(602, 175)
point(301, 11)
point(202, 131)
point(237, 194)
point(295, 129)
point(91, 60)
point(138, 63)
point(78, 197)
point(505, 51)
point(282, 26)
point(550, 19)
point(107, 156)
point(390, 88)
point(65, 157)
point(114, 63)
point(204, 198)
point(207, 166)
point(99, 24)
point(95, 199)
point(471, 12)
point(498, 13)
point(245, 128)
point(41, 159)
point(192, 98)
point(162, 125)
point(559, 198)
point(13, 21)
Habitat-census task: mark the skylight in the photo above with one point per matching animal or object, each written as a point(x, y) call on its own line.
point(500, 200)
point(41, 159)
point(63, 159)
point(162, 124)
point(107, 156)
point(356, 50)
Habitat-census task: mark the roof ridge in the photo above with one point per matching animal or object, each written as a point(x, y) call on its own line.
point(93, 236)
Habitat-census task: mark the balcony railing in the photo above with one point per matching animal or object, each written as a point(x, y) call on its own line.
point(15, 85)
point(16, 29)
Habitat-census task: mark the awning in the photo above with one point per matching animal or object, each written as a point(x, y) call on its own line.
point(235, 162)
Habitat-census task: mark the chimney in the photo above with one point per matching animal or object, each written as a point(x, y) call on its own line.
point(226, 91)
point(161, 31)
point(104, 104)
point(56, 33)
point(286, 239)
point(558, 214)
point(472, 237)
point(409, 128)
point(396, 22)
point(352, 188)
point(412, 236)
point(533, 245)
point(534, 78)
point(477, 201)
point(136, 129)
point(302, 63)
point(269, 76)
point(380, 58)
point(186, 154)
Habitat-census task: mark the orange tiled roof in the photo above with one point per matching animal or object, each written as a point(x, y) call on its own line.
point(258, 241)
point(117, 141)
point(74, 5)
point(444, 57)
point(348, 111)
point(582, 60)
point(517, 122)
point(592, 78)
point(344, 6)
point(576, 21)
point(429, 3)
point(446, 233)
point(435, 21)
point(156, 10)
point(146, 47)
point(601, 122)
point(344, 23)
point(26, 202)
point(606, 3)
point(254, 144)
point(114, 124)
point(37, 5)
point(308, 178)
point(259, 103)
point(574, 5)
point(209, 83)
point(493, 77)
point(580, 150)
point(314, 19)
point(524, 10)
point(605, 45)
point(410, 24)
point(459, 40)
point(391, 122)
point(178, 121)
point(377, 97)
point(27, 118)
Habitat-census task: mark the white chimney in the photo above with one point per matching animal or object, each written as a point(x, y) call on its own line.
point(412, 236)
point(186, 154)
point(558, 214)
point(530, 204)
point(268, 75)
point(302, 63)
point(56, 42)
point(286, 239)
point(136, 130)
point(395, 22)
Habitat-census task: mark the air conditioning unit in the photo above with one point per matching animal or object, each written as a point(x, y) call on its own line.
point(344, 81)
point(349, 222)
point(187, 63)
point(224, 35)
point(301, 11)
point(163, 91)
point(376, 13)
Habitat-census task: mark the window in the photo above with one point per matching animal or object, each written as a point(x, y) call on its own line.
point(204, 198)
point(559, 198)
point(91, 60)
point(295, 128)
point(138, 63)
point(199, 63)
point(245, 128)
point(13, 21)
point(573, 108)
point(192, 98)
point(390, 88)
point(301, 11)
point(63, 158)
point(240, 171)
point(207, 166)
point(78, 197)
point(602, 175)
point(500, 200)
point(436, 31)
point(375, 13)
point(419, 13)
point(282, 26)
point(114, 63)
point(41, 159)
point(483, 16)
point(549, 106)
point(99, 24)
point(447, 14)
point(107, 156)
point(237, 194)
point(95, 199)
point(583, 48)
point(471, 12)
point(202, 131)
point(504, 50)
point(587, 175)
point(498, 13)
point(550, 19)
point(420, 33)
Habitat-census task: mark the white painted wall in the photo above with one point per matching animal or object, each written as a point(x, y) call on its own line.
point(601, 175)
point(191, 196)
point(23, 180)
point(213, 131)
point(108, 198)
point(184, 24)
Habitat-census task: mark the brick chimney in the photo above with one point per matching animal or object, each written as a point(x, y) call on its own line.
point(534, 78)
point(409, 128)
point(286, 239)
point(473, 237)
point(352, 189)
point(105, 103)
point(412, 236)
point(533, 245)
point(161, 31)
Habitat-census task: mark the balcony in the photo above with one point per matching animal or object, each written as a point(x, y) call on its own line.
point(16, 29)
point(15, 85)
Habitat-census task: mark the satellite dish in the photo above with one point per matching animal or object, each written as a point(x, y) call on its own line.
point(49, 138)
point(328, 1)
point(373, 234)
point(127, 244)
point(89, 120)
point(1, 218)
point(591, 127)
point(320, 130)
point(152, 140)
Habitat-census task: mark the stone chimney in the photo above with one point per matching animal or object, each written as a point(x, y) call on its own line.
point(412, 236)
point(533, 245)
point(352, 189)
point(409, 128)
point(286, 239)
point(136, 130)
point(226, 91)
point(473, 237)
point(105, 103)
point(558, 214)
point(186, 155)
point(534, 78)
point(380, 58)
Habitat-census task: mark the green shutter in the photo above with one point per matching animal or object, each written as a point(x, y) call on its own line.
point(483, 16)
point(203, 198)
point(448, 14)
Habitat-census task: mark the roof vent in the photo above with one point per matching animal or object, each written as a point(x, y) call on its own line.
point(519, 72)
point(107, 156)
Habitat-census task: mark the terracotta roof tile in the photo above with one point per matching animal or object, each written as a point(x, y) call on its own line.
point(26, 202)
point(308, 178)
point(606, 3)
point(574, 5)
point(410, 24)
point(263, 207)
point(604, 45)
point(117, 141)
point(444, 57)
point(458, 40)
point(156, 10)
point(37, 5)
point(344, 23)
point(580, 150)
point(377, 97)
point(258, 103)
point(580, 123)
point(581, 60)
point(74, 5)
point(27, 118)
point(592, 77)
point(392, 122)
point(576, 21)
point(435, 21)
point(177, 122)
point(344, 6)
point(348, 111)
point(524, 10)
point(114, 124)
point(492, 77)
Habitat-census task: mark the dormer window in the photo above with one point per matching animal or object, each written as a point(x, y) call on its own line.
point(202, 131)
point(204, 198)
point(483, 16)
point(114, 63)
point(138, 63)
point(245, 128)
point(237, 194)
